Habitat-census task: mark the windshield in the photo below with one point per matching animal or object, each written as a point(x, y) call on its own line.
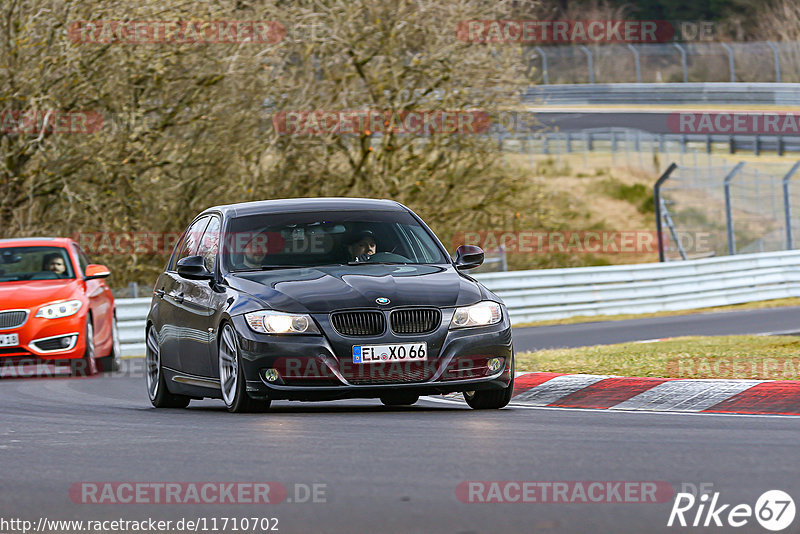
point(327, 238)
point(34, 263)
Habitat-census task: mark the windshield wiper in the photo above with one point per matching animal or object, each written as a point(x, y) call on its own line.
point(273, 267)
point(377, 263)
point(267, 268)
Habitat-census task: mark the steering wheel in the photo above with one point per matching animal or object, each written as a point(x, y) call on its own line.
point(44, 275)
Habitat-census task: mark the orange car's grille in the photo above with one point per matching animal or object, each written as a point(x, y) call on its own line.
point(12, 319)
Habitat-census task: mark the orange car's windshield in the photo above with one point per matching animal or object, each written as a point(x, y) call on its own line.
point(34, 263)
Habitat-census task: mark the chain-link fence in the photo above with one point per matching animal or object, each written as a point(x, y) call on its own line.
point(762, 61)
point(728, 209)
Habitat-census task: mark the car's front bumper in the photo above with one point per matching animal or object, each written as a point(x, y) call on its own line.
point(321, 367)
point(41, 339)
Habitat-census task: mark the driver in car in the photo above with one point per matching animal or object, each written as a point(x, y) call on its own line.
point(362, 246)
point(255, 251)
point(55, 263)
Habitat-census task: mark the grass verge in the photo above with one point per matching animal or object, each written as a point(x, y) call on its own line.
point(751, 357)
point(763, 304)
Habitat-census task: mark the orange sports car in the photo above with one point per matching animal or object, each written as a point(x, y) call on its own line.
point(55, 306)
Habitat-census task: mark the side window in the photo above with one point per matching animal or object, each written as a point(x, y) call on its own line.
point(191, 239)
point(83, 261)
point(176, 249)
point(209, 244)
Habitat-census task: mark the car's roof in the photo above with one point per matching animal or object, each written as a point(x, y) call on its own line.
point(36, 241)
point(289, 205)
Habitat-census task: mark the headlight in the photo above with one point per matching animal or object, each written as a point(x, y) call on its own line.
point(481, 314)
point(272, 322)
point(59, 309)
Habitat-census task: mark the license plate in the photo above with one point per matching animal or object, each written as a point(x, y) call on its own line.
point(9, 340)
point(404, 352)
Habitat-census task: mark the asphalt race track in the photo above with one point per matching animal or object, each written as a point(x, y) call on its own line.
point(651, 121)
point(383, 470)
point(763, 321)
point(390, 470)
point(575, 120)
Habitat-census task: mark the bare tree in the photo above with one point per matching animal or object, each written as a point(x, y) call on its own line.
point(186, 126)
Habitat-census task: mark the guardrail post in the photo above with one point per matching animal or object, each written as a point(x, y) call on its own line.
point(683, 62)
point(590, 62)
point(787, 204)
point(728, 210)
point(657, 199)
point(637, 63)
point(777, 61)
point(727, 47)
point(542, 53)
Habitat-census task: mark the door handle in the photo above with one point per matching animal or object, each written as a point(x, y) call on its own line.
point(160, 293)
point(179, 298)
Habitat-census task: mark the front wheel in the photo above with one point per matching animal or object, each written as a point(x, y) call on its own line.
point(491, 399)
point(86, 366)
point(160, 396)
point(113, 361)
point(231, 376)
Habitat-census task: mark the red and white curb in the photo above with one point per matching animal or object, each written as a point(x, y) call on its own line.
point(603, 392)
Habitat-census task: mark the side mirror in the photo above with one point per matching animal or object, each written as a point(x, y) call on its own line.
point(468, 257)
point(194, 268)
point(94, 272)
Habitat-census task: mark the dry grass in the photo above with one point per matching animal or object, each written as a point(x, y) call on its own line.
point(731, 357)
point(763, 304)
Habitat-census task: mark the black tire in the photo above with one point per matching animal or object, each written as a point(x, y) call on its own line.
point(491, 399)
point(233, 384)
point(160, 396)
point(87, 365)
point(112, 362)
point(399, 399)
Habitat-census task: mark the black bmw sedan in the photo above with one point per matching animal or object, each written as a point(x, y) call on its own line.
point(321, 299)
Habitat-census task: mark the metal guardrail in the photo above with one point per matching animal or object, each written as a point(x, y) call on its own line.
point(131, 316)
point(651, 287)
point(780, 94)
point(621, 140)
point(558, 293)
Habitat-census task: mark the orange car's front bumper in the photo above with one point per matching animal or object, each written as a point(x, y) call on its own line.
point(48, 339)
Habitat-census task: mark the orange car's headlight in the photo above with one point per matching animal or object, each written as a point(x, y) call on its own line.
point(56, 310)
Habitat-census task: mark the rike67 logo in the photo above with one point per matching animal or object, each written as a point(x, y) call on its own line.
point(774, 510)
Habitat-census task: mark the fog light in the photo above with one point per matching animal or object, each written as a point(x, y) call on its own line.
point(495, 364)
point(271, 375)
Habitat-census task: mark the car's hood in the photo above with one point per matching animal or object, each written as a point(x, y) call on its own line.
point(324, 289)
point(34, 293)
